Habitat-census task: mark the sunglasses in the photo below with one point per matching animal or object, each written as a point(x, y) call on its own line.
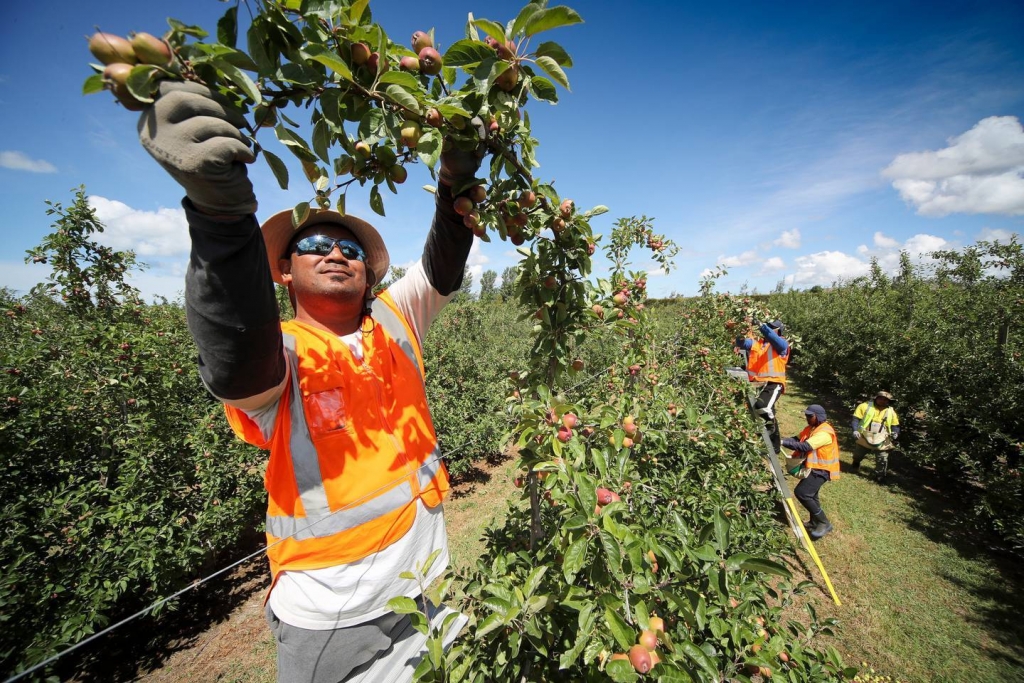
point(322, 245)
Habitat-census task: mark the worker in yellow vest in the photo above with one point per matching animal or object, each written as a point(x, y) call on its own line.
point(355, 478)
point(818, 444)
point(876, 427)
point(767, 357)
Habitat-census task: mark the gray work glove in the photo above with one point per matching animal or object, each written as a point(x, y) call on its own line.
point(195, 136)
point(461, 158)
point(856, 435)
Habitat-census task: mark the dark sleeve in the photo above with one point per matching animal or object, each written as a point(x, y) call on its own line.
point(231, 308)
point(744, 343)
point(855, 423)
point(448, 244)
point(802, 446)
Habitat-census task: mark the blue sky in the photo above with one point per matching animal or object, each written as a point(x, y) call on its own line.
point(785, 141)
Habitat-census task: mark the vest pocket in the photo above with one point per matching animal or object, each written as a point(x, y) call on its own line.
point(325, 412)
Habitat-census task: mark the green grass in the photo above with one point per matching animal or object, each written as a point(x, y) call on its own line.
point(924, 599)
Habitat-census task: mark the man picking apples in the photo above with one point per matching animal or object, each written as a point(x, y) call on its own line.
point(355, 478)
point(766, 366)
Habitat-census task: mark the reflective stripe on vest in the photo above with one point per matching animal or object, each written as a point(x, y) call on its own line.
point(770, 372)
point(389, 320)
point(885, 417)
point(320, 521)
point(826, 457)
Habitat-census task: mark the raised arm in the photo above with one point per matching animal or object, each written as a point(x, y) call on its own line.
point(771, 336)
point(229, 295)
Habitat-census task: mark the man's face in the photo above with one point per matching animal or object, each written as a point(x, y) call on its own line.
point(881, 402)
point(812, 421)
point(332, 275)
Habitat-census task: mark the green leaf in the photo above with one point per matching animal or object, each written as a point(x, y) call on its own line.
point(491, 28)
point(524, 16)
point(551, 17)
point(574, 557)
point(623, 633)
point(240, 80)
point(356, 12)
point(758, 564)
point(279, 169)
point(705, 552)
point(142, 82)
point(330, 59)
point(621, 671)
point(402, 78)
point(466, 53)
point(721, 530)
point(227, 27)
point(543, 89)
point(596, 211)
point(376, 201)
point(339, 204)
point(429, 148)
point(322, 139)
point(489, 624)
point(555, 52)
point(194, 31)
point(300, 213)
point(403, 605)
point(92, 84)
point(699, 657)
point(401, 96)
point(552, 69)
point(450, 110)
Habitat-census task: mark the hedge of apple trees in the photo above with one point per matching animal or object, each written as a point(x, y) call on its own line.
point(122, 481)
point(944, 337)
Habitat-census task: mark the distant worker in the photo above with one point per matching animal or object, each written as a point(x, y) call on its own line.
point(817, 443)
point(876, 429)
point(766, 366)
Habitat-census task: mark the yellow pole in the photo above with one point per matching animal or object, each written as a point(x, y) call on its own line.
point(809, 546)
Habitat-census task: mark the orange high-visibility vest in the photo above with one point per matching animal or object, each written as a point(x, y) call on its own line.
point(764, 364)
point(827, 457)
point(353, 446)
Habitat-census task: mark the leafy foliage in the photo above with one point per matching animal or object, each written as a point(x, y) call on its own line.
point(122, 478)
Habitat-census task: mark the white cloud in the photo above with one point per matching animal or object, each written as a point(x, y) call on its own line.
point(772, 265)
point(745, 259)
point(995, 235)
point(825, 267)
point(705, 273)
point(18, 161)
point(920, 245)
point(477, 258)
point(789, 239)
point(980, 171)
point(160, 233)
point(884, 242)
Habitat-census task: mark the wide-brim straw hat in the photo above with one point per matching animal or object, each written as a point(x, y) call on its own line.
point(884, 394)
point(278, 232)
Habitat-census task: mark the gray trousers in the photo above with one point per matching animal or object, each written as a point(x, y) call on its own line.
point(305, 656)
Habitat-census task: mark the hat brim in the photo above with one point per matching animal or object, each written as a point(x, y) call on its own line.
point(278, 232)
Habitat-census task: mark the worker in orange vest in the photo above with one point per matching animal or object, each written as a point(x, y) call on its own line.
point(355, 477)
point(818, 444)
point(766, 367)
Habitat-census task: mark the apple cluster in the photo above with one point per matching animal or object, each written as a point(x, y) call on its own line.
point(119, 55)
point(644, 655)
